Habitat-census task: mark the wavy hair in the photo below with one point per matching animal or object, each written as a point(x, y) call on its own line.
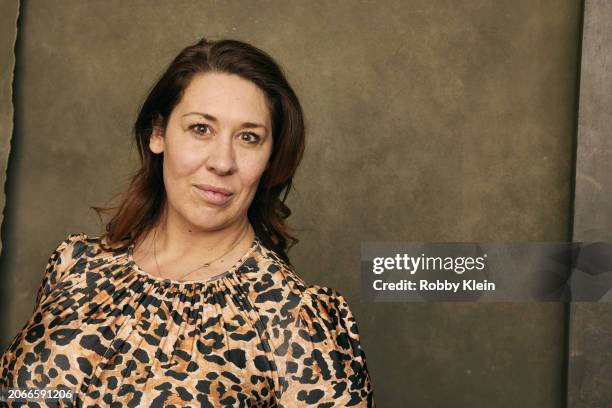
point(141, 204)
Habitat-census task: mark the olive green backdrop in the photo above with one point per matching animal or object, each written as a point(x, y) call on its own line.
point(590, 356)
point(427, 121)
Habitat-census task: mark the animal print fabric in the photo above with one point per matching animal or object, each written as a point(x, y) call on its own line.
point(254, 336)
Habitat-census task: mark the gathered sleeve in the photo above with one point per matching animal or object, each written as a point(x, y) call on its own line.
point(325, 363)
point(62, 258)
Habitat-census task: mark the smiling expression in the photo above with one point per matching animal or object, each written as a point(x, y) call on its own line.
point(216, 146)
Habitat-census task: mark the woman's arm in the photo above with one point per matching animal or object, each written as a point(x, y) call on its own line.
point(325, 363)
point(58, 265)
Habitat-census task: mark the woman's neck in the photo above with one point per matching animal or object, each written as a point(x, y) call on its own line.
point(178, 247)
point(174, 236)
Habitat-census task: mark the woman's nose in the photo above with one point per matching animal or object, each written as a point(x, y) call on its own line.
point(221, 158)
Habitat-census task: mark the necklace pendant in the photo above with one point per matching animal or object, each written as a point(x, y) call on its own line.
point(206, 265)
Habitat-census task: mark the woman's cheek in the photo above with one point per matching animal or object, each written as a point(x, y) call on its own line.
point(187, 161)
point(254, 170)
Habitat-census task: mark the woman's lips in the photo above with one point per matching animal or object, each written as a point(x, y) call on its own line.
point(213, 197)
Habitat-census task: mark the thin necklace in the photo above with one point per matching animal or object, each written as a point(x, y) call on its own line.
point(205, 265)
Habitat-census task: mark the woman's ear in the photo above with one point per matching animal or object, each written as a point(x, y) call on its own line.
point(157, 139)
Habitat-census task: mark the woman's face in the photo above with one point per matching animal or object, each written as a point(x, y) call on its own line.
point(219, 136)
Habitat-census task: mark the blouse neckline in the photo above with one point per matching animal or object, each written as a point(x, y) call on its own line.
point(227, 273)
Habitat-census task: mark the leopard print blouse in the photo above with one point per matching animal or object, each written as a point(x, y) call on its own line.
point(254, 336)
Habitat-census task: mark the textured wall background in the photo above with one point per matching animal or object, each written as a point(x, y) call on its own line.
point(8, 34)
point(428, 120)
point(590, 359)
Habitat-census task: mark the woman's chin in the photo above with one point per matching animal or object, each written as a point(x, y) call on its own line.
point(209, 220)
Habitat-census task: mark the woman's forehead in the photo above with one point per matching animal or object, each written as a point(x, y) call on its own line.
point(226, 98)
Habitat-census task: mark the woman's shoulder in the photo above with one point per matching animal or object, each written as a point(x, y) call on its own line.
point(324, 311)
point(73, 238)
point(310, 303)
point(278, 270)
point(94, 243)
point(69, 247)
point(66, 256)
point(78, 247)
point(267, 269)
point(77, 239)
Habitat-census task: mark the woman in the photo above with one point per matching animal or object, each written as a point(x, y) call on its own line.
point(189, 298)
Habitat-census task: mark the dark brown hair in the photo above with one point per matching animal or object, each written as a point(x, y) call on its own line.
point(142, 203)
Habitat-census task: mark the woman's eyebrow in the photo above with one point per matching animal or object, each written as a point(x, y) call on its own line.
point(210, 117)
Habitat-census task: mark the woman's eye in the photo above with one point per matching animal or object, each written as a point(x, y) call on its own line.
point(199, 128)
point(250, 137)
